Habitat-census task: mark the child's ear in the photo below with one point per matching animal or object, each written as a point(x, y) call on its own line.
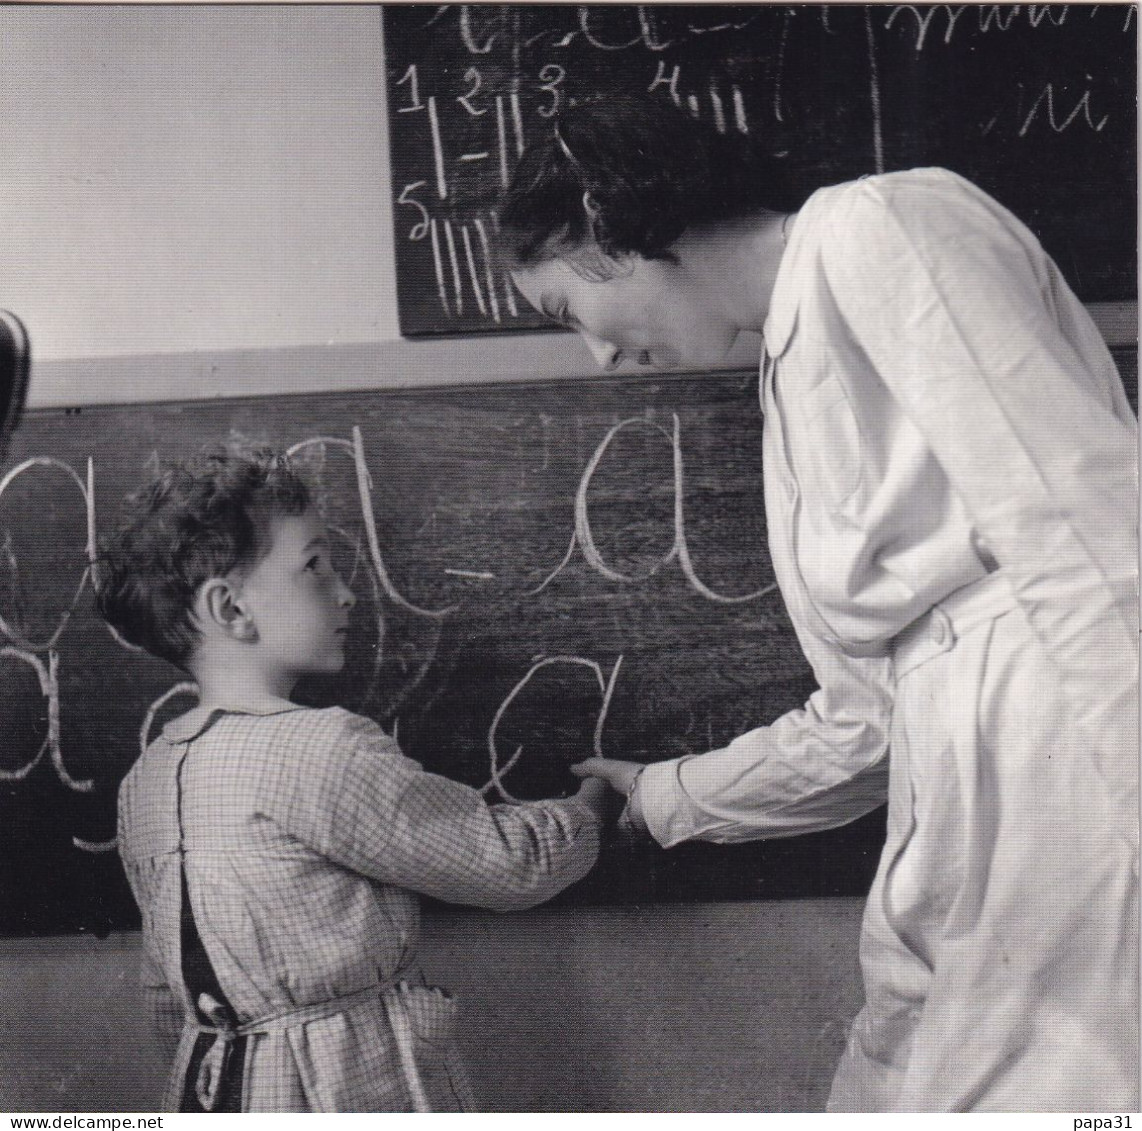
point(219, 605)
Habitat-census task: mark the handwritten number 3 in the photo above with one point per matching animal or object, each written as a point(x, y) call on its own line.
point(552, 75)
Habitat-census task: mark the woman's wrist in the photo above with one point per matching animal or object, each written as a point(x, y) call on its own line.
point(631, 816)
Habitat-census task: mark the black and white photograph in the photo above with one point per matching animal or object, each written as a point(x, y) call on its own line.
point(569, 559)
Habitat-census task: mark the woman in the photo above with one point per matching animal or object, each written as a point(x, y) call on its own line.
point(949, 481)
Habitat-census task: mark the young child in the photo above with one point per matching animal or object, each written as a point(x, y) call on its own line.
point(275, 851)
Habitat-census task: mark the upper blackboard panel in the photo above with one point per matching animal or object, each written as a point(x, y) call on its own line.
point(1035, 103)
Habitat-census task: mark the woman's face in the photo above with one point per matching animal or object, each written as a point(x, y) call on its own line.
point(649, 312)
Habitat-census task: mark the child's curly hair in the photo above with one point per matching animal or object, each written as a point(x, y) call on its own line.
point(197, 520)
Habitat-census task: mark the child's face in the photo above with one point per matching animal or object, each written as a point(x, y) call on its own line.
point(298, 604)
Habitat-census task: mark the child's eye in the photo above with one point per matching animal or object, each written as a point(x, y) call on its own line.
point(314, 563)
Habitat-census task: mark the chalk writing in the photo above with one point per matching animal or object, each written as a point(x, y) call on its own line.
point(925, 18)
point(146, 730)
point(679, 550)
point(6, 627)
point(874, 95)
point(437, 150)
point(49, 687)
point(438, 264)
point(41, 654)
point(472, 76)
point(468, 35)
point(607, 688)
point(988, 17)
point(414, 91)
point(832, 92)
point(420, 229)
point(552, 76)
point(778, 109)
point(1046, 101)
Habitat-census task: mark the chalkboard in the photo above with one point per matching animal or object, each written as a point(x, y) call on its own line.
point(521, 590)
point(1034, 102)
point(523, 599)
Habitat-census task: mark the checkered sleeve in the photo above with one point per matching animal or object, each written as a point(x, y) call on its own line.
point(396, 823)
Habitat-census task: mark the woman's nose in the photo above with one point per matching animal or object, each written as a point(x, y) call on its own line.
point(607, 356)
point(346, 597)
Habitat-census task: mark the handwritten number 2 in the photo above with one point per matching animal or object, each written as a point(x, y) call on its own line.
point(552, 75)
point(419, 230)
point(473, 76)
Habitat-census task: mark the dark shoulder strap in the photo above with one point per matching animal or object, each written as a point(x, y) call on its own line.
point(200, 979)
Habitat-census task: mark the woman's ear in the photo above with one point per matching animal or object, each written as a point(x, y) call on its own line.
point(594, 265)
point(219, 607)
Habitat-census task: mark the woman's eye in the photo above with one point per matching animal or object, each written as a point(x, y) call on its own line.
point(314, 563)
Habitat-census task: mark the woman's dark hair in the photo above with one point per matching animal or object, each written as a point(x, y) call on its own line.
point(197, 520)
point(631, 175)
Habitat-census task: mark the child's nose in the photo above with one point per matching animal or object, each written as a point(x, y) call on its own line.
point(345, 597)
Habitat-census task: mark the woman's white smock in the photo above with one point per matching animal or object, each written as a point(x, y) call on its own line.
point(937, 404)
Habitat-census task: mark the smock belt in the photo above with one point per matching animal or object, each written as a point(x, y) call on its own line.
point(424, 1013)
point(212, 1068)
point(944, 623)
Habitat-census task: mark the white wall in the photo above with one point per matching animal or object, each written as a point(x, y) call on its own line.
point(194, 178)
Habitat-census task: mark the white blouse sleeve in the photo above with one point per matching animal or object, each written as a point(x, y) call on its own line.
point(815, 768)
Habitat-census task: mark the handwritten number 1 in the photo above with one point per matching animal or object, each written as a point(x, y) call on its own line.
point(414, 90)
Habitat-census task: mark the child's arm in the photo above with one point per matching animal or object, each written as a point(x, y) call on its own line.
point(389, 819)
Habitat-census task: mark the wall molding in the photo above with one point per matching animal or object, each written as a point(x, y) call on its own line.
point(399, 364)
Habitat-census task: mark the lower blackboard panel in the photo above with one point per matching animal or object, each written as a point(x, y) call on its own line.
point(525, 600)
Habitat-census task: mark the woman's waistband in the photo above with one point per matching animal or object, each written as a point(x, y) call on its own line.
point(938, 629)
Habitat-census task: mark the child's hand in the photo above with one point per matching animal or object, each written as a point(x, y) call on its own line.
point(617, 774)
point(593, 794)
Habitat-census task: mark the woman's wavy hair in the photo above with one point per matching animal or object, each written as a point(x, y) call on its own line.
point(196, 520)
point(630, 174)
